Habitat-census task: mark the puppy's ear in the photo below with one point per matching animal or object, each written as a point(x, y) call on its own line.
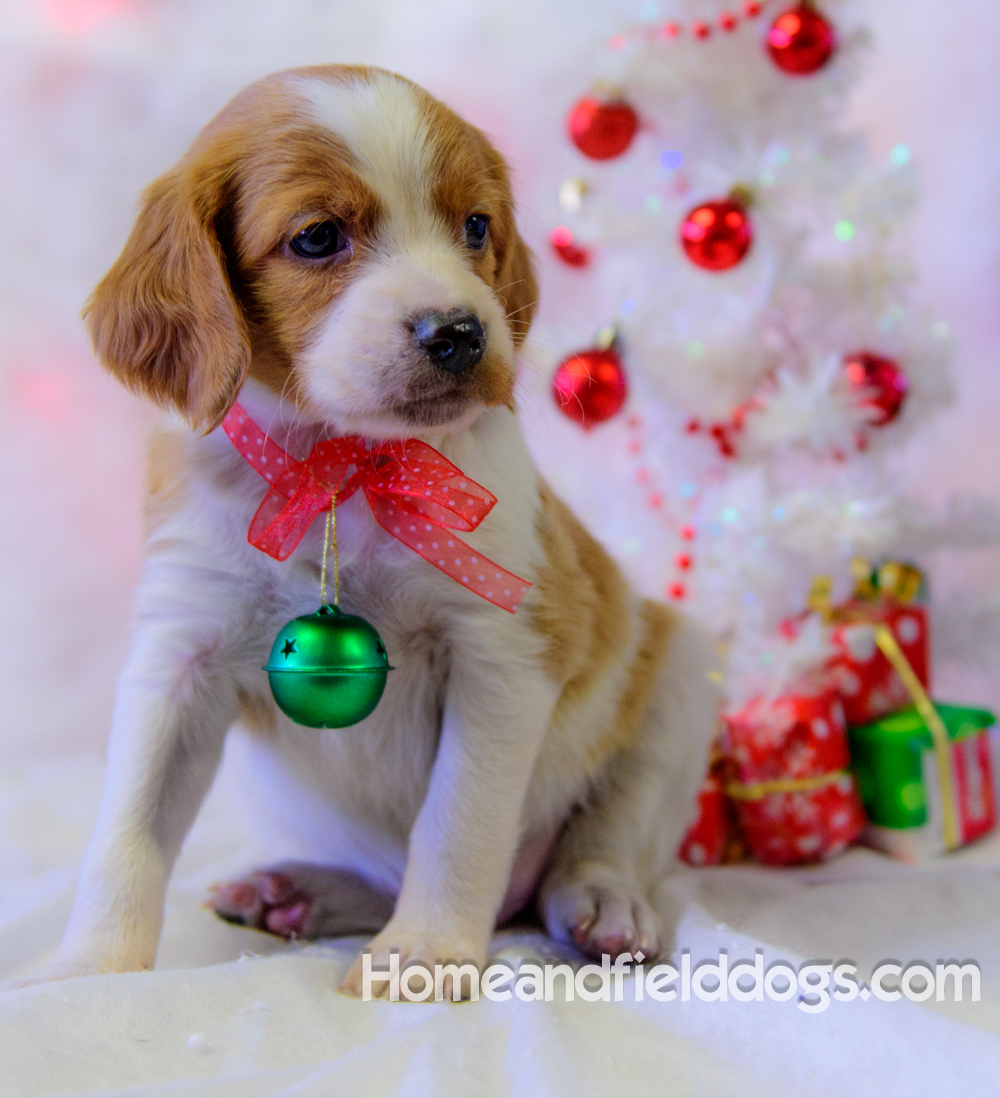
point(518, 289)
point(164, 319)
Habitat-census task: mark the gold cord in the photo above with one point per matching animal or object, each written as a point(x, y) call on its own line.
point(753, 791)
point(935, 725)
point(331, 527)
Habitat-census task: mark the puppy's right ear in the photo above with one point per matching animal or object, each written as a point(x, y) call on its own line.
point(164, 319)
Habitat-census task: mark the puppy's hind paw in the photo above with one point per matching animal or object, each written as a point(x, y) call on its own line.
point(266, 900)
point(599, 912)
point(298, 900)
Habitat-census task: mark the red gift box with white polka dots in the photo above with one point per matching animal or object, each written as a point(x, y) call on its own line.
point(792, 736)
point(868, 685)
point(795, 738)
point(810, 826)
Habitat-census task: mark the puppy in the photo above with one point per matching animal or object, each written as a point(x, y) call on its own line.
point(338, 251)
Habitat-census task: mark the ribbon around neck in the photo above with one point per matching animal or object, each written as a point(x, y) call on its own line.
point(415, 493)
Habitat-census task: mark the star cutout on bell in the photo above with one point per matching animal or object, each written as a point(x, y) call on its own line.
point(289, 649)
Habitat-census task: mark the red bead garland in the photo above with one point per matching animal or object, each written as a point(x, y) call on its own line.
point(684, 561)
point(801, 41)
point(602, 131)
point(725, 432)
point(700, 29)
point(590, 386)
point(717, 235)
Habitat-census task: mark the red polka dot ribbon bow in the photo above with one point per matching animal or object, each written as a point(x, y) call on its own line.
point(415, 494)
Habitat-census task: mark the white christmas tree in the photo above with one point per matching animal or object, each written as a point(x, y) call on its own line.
point(744, 246)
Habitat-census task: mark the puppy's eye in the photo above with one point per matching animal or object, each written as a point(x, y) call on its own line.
point(319, 241)
point(475, 230)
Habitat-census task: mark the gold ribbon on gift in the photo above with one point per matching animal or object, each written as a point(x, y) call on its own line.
point(899, 581)
point(819, 599)
point(753, 791)
point(902, 583)
point(939, 733)
point(892, 579)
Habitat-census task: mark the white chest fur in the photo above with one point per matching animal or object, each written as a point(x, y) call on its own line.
point(351, 795)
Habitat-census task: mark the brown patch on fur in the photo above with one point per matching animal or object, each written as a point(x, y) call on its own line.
point(657, 623)
point(307, 178)
point(206, 290)
point(584, 611)
point(256, 713)
point(582, 605)
point(164, 319)
point(473, 178)
point(166, 480)
point(517, 288)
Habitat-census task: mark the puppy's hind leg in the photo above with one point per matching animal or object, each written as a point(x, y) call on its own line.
point(623, 840)
point(299, 900)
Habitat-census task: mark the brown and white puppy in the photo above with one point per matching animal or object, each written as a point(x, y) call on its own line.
point(338, 250)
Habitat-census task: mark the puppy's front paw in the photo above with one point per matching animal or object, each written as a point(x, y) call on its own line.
point(601, 913)
point(426, 949)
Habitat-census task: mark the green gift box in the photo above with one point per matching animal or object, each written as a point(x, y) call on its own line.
point(898, 778)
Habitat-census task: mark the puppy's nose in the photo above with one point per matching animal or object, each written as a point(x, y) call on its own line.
point(454, 341)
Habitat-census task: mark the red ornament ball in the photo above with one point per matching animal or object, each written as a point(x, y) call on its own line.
point(801, 41)
point(880, 384)
point(717, 235)
point(602, 131)
point(567, 249)
point(590, 386)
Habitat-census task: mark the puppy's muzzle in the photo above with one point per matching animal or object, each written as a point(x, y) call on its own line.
point(453, 341)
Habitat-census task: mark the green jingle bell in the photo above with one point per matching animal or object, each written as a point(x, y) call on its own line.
point(328, 669)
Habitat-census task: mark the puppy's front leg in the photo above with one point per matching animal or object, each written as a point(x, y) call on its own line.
point(175, 703)
point(498, 705)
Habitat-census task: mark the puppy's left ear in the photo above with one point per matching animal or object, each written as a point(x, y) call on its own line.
point(518, 289)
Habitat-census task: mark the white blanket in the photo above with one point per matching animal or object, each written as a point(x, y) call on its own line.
point(231, 1012)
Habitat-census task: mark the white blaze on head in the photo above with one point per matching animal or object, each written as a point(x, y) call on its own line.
point(380, 121)
point(363, 362)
